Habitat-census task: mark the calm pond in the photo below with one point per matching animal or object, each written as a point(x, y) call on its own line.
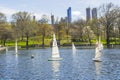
point(74, 66)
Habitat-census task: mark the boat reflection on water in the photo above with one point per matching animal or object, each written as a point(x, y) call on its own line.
point(97, 69)
point(56, 68)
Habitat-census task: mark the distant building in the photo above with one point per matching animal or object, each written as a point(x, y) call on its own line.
point(66, 19)
point(94, 13)
point(52, 19)
point(63, 19)
point(34, 18)
point(88, 14)
point(69, 15)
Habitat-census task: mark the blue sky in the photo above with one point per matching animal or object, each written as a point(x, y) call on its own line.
point(56, 7)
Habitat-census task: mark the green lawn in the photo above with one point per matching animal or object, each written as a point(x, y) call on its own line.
point(38, 41)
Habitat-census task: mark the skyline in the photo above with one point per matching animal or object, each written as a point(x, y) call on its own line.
point(57, 7)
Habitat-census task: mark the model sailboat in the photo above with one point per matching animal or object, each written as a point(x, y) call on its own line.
point(98, 49)
point(73, 47)
point(6, 49)
point(97, 55)
point(55, 50)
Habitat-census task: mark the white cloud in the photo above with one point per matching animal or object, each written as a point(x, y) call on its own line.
point(39, 15)
point(7, 11)
point(76, 13)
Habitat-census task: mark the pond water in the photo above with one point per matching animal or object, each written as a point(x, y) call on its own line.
point(74, 66)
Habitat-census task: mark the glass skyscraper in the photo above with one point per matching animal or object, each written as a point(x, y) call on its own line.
point(88, 14)
point(94, 13)
point(52, 19)
point(69, 15)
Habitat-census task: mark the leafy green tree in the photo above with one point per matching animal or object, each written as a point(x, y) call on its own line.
point(88, 34)
point(5, 29)
point(44, 28)
point(2, 18)
point(77, 29)
point(59, 29)
point(118, 24)
point(6, 32)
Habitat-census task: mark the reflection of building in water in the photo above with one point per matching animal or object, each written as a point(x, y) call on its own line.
point(97, 69)
point(55, 68)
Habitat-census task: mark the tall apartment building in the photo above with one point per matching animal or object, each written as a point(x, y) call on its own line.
point(88, 15)
point(94, 13)
point(52, 19)
point(69, 15)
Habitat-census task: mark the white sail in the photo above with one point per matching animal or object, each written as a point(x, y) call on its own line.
point(73, 47)
point(55, 51)
point(97, 54)
point(6, 49)
point(16, 48)
point(100, 46)
point(98, 49)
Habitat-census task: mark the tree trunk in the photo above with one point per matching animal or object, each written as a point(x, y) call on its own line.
point(119, 35)
point(88, 34)
point(4, 41)
point(1, 41)
point(22, 35)
point(107, 37)
point(90, 41)
point(81, 37)
point(43, 37)
point(59, 39)
point(27, 42)
point(22, 38)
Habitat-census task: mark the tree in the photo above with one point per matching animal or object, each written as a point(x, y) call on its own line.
point(118, 27)
point(78, 26)
point(108, 15)
point(2, 18)
point(5, 29)
point(25, 25)
point(44, 28)
point(59, 29)
point(6, 32)
point(88, 34)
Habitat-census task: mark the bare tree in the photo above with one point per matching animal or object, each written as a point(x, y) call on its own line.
point(108, 15)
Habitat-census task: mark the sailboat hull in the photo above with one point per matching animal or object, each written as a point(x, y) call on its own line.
point(96, 60)
point(54, 59)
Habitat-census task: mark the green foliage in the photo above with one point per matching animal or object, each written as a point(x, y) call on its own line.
point(30, 32)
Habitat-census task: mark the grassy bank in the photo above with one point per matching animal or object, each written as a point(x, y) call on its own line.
point(38, 43)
